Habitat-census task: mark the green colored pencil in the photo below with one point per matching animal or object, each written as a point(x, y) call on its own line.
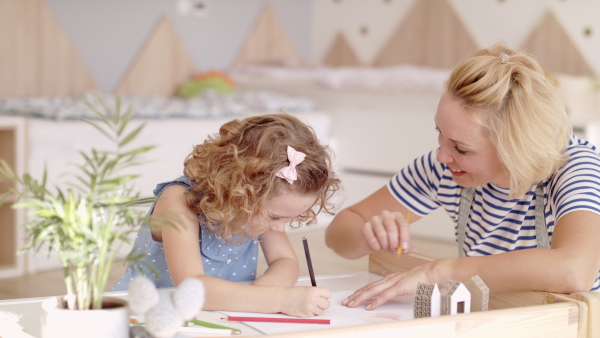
point(211, 325)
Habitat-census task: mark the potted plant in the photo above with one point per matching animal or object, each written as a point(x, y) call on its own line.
point(86, 219)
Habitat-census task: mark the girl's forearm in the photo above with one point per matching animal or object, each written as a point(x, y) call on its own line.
point(281, 272)
point(223, 295)
point(530, 269)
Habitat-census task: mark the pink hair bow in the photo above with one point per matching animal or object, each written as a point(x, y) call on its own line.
point(289, 173)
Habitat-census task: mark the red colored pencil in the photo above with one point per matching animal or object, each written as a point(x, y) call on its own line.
point(278, 320)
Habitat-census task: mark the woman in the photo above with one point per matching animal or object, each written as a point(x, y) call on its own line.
point(529, 215)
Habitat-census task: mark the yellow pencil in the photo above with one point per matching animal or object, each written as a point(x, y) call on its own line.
point(399, 248)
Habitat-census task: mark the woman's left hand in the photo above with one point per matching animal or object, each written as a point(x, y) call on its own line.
point(394, 285)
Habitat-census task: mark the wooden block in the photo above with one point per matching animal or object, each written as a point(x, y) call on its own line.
point(383, 263)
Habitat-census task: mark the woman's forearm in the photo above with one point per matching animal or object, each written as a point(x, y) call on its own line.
point(530, 269)
point(344, 235)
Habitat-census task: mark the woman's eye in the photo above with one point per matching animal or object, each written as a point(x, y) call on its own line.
point(460, 151)
point(275, 218)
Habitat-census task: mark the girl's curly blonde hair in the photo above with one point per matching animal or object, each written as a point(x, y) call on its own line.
point(233, 173)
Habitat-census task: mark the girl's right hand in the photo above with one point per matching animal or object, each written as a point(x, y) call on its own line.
point(305, 301)
point(388, 231)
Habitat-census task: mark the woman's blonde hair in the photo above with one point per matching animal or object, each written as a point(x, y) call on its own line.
point(519, 109)
point(233, 173)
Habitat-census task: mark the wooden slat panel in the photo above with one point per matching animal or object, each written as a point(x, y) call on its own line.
point(18, 47)
point(268, 42)
point(554, 49)
point(161, 67)
point(62, 71)
point(430, 35)
point(341, 54)
point(37, 57)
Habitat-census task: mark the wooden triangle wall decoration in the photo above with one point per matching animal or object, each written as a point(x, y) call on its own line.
point(161, 67)
point(430, 35)
point(42, 61)
point(554, 49)
point(341, 54)
point(267, 42)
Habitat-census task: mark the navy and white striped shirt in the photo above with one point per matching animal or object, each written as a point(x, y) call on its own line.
point(498, 224)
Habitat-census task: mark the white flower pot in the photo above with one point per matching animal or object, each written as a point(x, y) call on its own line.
point(58, 321)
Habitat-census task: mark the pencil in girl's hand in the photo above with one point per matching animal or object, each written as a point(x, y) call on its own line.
point(309, 262)
point(399, 248)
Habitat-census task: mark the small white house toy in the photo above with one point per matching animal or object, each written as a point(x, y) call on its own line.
point(164, 310)
point(427, 300)
point(480, 294)
point(453, 298)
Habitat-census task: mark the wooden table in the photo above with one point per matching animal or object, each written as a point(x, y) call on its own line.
point(511, 314)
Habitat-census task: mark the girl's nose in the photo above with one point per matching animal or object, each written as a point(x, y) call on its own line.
point(279, 226)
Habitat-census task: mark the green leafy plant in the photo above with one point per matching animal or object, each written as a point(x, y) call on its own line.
point(86, 220)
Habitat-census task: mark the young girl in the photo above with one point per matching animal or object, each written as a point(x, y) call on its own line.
point(241, 187)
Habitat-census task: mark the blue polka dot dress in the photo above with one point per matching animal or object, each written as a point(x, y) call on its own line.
point(236, 263)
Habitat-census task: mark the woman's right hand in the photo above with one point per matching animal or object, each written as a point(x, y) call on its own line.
point(387, 231)
point(397, 284)
point(305, 301)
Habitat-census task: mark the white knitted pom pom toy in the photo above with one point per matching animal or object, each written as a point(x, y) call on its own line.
point(165, 310)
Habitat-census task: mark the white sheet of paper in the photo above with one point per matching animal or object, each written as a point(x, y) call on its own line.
point(400, 308)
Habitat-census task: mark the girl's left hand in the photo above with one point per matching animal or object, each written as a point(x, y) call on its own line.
point(394, 285)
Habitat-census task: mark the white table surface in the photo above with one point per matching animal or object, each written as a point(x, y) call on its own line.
point(29, 309)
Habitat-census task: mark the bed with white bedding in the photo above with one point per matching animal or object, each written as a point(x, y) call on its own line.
point(56, 132)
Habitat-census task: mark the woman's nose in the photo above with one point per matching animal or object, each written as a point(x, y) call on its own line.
point(443, 155)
